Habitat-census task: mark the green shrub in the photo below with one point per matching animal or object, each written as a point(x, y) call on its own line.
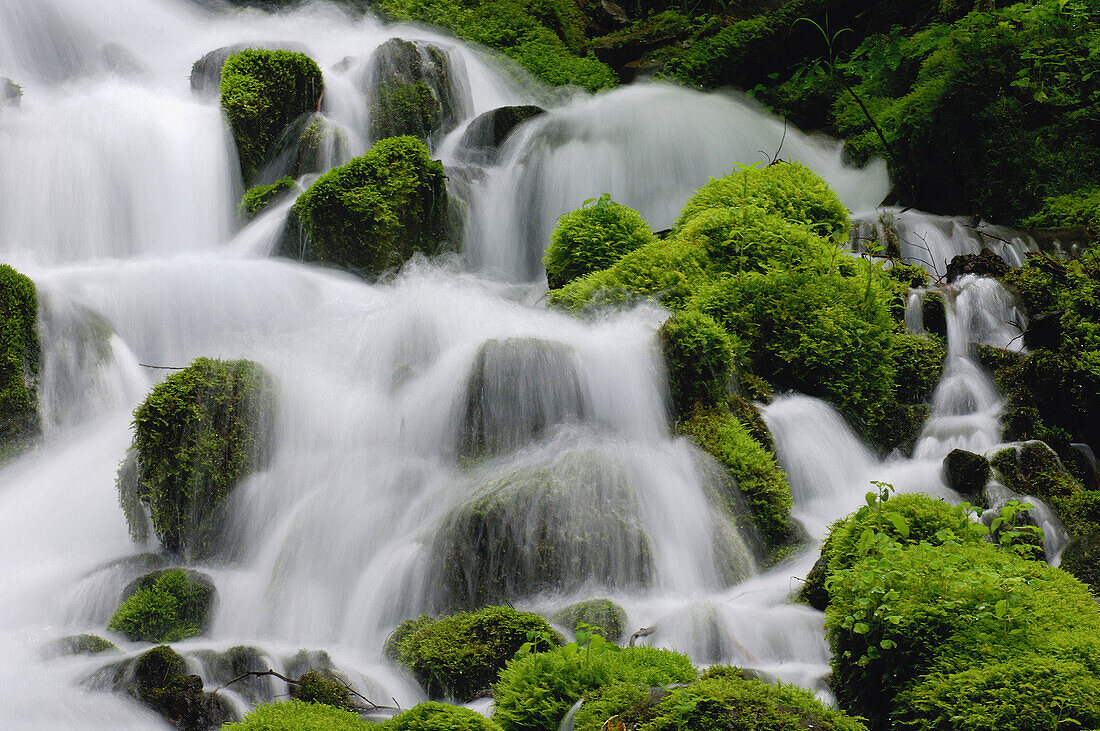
point(728, 701)
point(197, 434)
point(261, 196)
point(701, 360)
point(297, 716)
point(603, 616)
point(375, 212)
point(263, 91)
point(438, 717)
point(760, 481)
point(536, 690)
point(592, 238)
point(792, 191)
point(1080, 208)
point(460, 656)
point(166, 606)
point(18, 356)
point(313, 687)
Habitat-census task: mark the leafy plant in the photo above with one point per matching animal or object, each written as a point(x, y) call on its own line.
point(592, 238)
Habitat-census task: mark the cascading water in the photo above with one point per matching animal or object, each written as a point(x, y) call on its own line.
point(401, 404)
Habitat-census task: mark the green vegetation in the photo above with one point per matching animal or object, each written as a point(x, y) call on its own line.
point(18, 359)
point(262, 92)
point(298, 715)
point(159, 681)
point(592, 238)
point(375, 212)
point(460, 656)
point(165, 606)
point(1080, 208)
point(197, 434)
point(535, 690)
point(315, 687)
point(438, 717)
point(261, 196)
point(1081, 558)
point(701, 360)
point(412, 92)
point(84, 645)
point(602, 616)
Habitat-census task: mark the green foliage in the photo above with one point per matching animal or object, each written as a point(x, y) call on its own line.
point(592, 238)
point(918, 361)
point(728, 701)
point(263, 91)
point(544, 36)
point(313, 687)
point(1080, 208)
point(298, 715)
point(405, 109)
point(1081, 558)
point(261, 196)
point(197, 434)
point(536, 690)
point(167, 606)
point(375, 212)
point(459, 656)
point(601, 616)
point(18, 356)
point(759, 480)
point(84, 645)
point(701, 360)
point(438, 717)
point(789, 190)
point(629, 703)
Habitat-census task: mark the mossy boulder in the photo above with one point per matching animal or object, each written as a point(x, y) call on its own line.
point(518, 390)
point(552, 525)
point(19, 352)
point(314, 687)
point(374, 213)
point(460, 656)
point(298, 715)
point(486, 133)
point(263, 91)
point(1033, 468)
point(966, 473)
point(411, 91)
point(433, 716)
point(206, 72)
point(165, 606)
point(701, 358)
point(84, 644)
point(983, 264)
point(934, 314)
point(1081, 558)
point(259, 197)
point(603, 616)
point(197, 434)
point(221, 667)
point(592, 238)
point(309, 144)
point(11, 93)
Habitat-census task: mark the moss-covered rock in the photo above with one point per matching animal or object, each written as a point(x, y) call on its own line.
point(375, 212)
point(19, 351)
point(758, 479)
point(298, 715)
point(918, 363)
point(221, 667)
point(933, 314)
point(165, 606)
point(517, 391)
point(262, 92)
point(604, 616)
point(158, 679)
point(1082, 559)
point(701, 360)
point(592, 238)
point(966, 473)
point(260, 197)
point(552, 525)
point(460, 656)
point(197, 434)
point(314, 687)
point(11, 93)
point(983, 264)
point(84, 644)
point(1033, 468)
point(411, 91)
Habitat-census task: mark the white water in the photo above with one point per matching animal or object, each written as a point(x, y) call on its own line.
point(117, 196)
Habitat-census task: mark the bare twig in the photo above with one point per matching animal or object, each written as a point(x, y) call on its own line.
point(370, 705)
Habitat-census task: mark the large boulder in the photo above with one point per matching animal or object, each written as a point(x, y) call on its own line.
point(984, 264)
point(411, 91)
point(19, 349)
point(206, 73)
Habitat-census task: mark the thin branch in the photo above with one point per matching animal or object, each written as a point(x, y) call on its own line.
point(371, 705)
point(163, 368)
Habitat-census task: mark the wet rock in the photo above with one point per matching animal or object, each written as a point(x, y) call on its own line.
point(983, 264)
point(934, 314)
point(483, 137)
point(966, 473)
point(221, 667)
point(84, 644)
point(411, 90)
point(10, 93)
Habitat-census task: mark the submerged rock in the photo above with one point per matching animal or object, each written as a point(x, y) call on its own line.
point(221, 667)
point(484, 136)
point(983, 264)
point(84, 644)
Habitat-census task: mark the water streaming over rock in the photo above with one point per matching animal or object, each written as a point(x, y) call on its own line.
point(401, 404)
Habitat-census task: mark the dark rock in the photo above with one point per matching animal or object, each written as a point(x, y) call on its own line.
point(1082, 559)
point(813, 591)
point(933, 314)
point(983, 264)
point(1044, 330)
point(411, 91)
point(483, 137)
point(206, 73)
point(221, 667)
point(966, 473)
point(10, 93)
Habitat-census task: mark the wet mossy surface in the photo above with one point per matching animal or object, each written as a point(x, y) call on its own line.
point(19, 355)
point(592, 238)
point(602, 616)
point(165, 606)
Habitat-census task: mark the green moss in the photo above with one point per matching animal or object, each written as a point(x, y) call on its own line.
point(592, 238)
point(604, 616)
point(165, 606)
point(160, 683)
point(1081, 558)
point(18, 359)
point(631, 704)
point(1080, 208)
point(297, 715)
point(728, 701)
point(375, 212)
point(314, 687)
point(84, 645)
point(263, 91)
point(759, 480)
point(701, 360)
point(966, 473)
point(918, 363)
point(535, 691)
point(460, 656)
point(197, 434)
point(261, 196)
point(438, 717)
point(391, 649)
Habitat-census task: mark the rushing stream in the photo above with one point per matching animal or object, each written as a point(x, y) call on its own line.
point(118, 188)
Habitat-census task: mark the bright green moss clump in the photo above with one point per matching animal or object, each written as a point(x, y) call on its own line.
point(263, 91)
point(313, 687)
point(375, 212)
point(18, 358)
point(459, 656)
point(592, 238)
point(261, 196)
point(602, 616)
point(197, 434)
point(701, 360)
point(165, 606)
point(438, 717)
point(298, 715)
